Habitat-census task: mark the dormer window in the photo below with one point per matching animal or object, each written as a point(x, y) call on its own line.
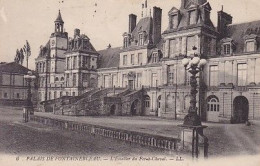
point(227, 49)
point(192, 17)
point(125, 42)
point(141, 39)
point(174, 21)
point(250, 46)
point(250, 43)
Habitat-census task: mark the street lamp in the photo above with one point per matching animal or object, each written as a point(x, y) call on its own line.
point(29, 105)
point(192, 134)
point(193, 64)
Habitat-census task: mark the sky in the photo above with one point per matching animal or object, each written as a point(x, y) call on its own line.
point(103, 21)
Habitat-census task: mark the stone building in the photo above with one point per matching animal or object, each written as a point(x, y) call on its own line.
point(13, 86)
point(145, 76)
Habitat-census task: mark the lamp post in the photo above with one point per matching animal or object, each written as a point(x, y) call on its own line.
point(194, 65)
point(29, 105)
point(192, 133)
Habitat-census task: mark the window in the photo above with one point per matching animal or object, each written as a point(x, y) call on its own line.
point(67, 93)
point(139, 58)
point(191, 42)
point(73, 94)
point(124, 59)
point(125, 42)
point(186, 102)
point(74, 62)
point(213, 76)
point(74, 79)
point(174, 21)
point(55, 95)
point(67, 80)
point(213, 104)
point(56, 79)
point(192, 17)
point(227, 49)
point(68, 63)
point(49, 95)
point(141, 39)
point(187, 77)
point(250, 46)
point(171, 75)
point(241, 74)
point(169, 101)
point(114, 80)
point(139, 80)
point(106, 81)
point(132, 59)
point(5, 95)
point(154, 80)
point(60, 93)
point(147, 101)
point(17, 95)
point(154, 57)
point(173, 47)
point(62, 79)
point(124, 79)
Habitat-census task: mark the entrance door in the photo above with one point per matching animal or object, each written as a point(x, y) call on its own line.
point(131, 84)
point(135, 108)
point(213, 109)
point(112, 110)
point(241, 107)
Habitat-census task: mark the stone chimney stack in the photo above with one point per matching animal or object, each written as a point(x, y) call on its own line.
point(224, 20)
point(132, 22)
point(157, 24)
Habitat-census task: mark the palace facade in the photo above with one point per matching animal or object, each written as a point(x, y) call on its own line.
point(146, 77)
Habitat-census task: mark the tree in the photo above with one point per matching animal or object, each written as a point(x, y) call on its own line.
point(17, 57)
point(27, 51)
point(21, 56)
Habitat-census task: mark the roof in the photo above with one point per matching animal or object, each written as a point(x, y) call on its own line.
point(13, 67)
point(59, 18)
point(237, 32)
point(144, 24)
point(44, 51)
point(109, 57)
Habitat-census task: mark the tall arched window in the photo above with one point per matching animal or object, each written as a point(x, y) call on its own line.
point(213, 104)
point(147, 101)
point(169, 101)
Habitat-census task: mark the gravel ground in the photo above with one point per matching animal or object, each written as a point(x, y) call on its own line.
point(16, 137)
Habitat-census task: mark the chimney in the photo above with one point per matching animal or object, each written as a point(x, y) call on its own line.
point(157, 24)
point(183, 3)
point(224, 19)
point(132, 22)
point(76, 32)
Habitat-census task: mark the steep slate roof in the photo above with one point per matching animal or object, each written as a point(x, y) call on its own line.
point(144, 24)
point(13, 67)
point(237, 32)
point(44, 51)
point(109, 57)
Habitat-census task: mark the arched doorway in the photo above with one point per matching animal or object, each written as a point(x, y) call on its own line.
point(135, 107)
point(213, 108)
point(113, 109)
point(241, 107)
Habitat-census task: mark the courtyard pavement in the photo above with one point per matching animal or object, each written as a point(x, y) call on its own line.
point(224, 139)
